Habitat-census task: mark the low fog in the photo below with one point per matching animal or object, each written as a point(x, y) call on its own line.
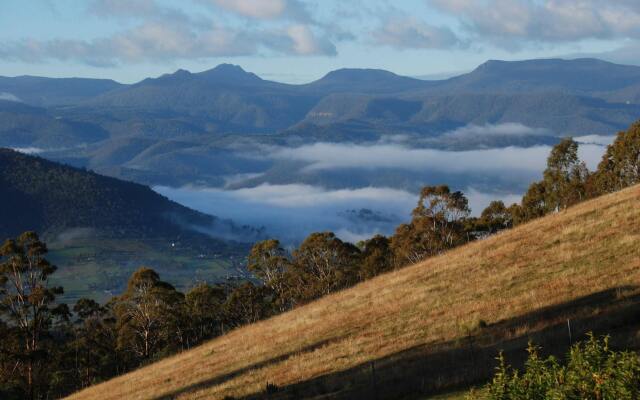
point(325, 156)
point(291, 211)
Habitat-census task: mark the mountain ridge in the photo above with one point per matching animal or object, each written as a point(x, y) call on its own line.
point(225, 107)
point(230, 68)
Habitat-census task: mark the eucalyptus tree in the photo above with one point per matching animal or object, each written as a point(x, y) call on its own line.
point(620, 165)
point(28, 303)
point(437, 224)
point(146, 314)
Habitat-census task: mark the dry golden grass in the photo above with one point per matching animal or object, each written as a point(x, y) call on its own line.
point(586, 249)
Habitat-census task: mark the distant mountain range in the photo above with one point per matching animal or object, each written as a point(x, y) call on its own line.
point(226, 99)
point(186, 127)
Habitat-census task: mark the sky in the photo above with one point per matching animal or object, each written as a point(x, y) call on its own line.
point(299, 41)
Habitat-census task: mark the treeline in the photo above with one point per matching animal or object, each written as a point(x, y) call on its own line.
point(49, 350)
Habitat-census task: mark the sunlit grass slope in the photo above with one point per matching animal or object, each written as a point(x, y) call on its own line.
point(583, 264)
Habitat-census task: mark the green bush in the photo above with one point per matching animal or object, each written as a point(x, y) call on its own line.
point(592, 371)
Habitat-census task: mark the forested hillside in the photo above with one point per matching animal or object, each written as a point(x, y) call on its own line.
point(48, 197)
point(101, 229)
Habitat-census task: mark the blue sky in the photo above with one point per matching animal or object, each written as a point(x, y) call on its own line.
point(299, 41)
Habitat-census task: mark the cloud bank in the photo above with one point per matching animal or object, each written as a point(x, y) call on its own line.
point(512, 129)
point(511, 23)
point(326, 156)
point(158, 30)
point(410, 33)
point(9, 97)
point(291, 212)
point(266, 9)
point(161, 33)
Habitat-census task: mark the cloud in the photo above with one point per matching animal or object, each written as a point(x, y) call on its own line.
point(266, 9)
point(592, 147)
point(71, 237)
point(260, 9)
point(505, 129)
point(303, 196)
point(511, 22)
point(28, 150)
point(297, 39)
point(400, 152)
point(302, 35)
point(595, 140)
point(162, 41)
point(130, 9)
point(150, 41)
point(305, 42)
point(478, 200)
point(411, 33)
point(163, 34)
point(323, 156)
point(6, 96)
point(291, 212)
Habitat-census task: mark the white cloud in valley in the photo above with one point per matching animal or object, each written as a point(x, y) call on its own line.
point(511, 129)
point(325, 156)
point(293, 211)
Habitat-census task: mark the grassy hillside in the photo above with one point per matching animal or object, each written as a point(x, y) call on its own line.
point(431, 327)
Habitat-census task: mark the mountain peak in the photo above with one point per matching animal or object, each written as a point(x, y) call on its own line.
point(366, 81)
point(358, 75)
point(182, 72)
point(228, 68)
point(229, 73)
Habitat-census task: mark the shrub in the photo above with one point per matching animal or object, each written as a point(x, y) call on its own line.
point(592, 371)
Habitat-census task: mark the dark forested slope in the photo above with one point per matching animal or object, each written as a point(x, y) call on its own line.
point(48, 197)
